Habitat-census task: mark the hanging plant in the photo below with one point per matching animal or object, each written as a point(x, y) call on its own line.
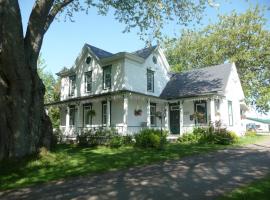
point(138, 112)
point(159, 114)
point(91, 113)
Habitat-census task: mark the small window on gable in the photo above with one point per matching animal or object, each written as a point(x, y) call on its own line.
point(88, 60)
point(150, 80)
point(154, 58)
point(88, 81)
point(107, 76)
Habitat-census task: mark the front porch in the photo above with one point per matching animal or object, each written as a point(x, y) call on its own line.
point(128, 113)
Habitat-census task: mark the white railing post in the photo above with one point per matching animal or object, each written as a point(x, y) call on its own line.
point(108, 111)
point(148, 114)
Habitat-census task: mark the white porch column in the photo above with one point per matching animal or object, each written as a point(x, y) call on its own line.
point(212, 111)
point(125, 114)
point(78, 118)
point(67, 117)
point(181, 117)
point(108, 112)
point(167, 111)
point(67, 122)
point(148, 113)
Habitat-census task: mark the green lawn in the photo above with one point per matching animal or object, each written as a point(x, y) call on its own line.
point(256, 190)
point(69, 160)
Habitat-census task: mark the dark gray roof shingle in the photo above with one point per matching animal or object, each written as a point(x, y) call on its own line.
point(197, 82)
point(145, 52)
point(100, 53)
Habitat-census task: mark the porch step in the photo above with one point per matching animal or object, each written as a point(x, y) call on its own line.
point(172, 138)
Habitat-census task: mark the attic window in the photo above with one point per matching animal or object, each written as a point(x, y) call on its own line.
point(88, 60)
point(154, 59)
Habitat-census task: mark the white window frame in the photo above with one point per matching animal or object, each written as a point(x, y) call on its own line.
point(87, 107)
point(88, 80)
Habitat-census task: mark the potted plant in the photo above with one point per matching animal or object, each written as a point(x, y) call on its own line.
point(91, 113)
point(138, 112)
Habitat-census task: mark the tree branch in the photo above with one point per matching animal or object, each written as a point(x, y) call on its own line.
point(35, 29)
point(54, 11)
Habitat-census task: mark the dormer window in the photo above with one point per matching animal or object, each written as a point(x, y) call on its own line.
point(88, 81)
point(72, 85)
point(150, 80)
point(88, 60)
point(107, 70)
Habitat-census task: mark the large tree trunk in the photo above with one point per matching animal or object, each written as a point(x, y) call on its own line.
point(24, 125)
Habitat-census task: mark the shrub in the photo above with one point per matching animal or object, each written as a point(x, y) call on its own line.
point(209, 136)
point(95, 138)
point(116, 141)
point(128, 139)
point(57, 137)
point(150, 138)
point(225, 137)
point(250, 133)
point(189, 138)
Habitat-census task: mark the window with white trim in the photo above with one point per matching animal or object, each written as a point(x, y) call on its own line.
point(72, 112)
point(88, 81)
point(230, 113)
point(150, 80)
point(72, 85)
point(87, 108)
point(153, 120)
point(104, 112)
point(107, 76)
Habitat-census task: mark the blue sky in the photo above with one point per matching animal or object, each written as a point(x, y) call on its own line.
point(64, 40)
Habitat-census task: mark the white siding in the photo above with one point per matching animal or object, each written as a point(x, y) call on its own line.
point(117, 77)
point(234, 93)
point(136, 79)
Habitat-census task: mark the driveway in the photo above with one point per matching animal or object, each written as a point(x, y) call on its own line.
point(195, 177)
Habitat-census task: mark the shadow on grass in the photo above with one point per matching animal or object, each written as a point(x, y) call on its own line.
point(196, 177)
point(69, 160)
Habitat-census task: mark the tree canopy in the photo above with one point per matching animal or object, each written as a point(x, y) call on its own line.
point(240, 38)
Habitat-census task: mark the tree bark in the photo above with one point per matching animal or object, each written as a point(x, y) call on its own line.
point(25, 127)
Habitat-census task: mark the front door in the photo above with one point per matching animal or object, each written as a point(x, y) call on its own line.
point(174, 119)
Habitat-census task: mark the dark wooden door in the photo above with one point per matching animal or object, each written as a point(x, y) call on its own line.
point(174, 119)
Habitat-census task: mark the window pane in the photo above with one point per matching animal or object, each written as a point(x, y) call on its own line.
point(87, 115)
point(72, 85)
point(104, 113)
point(107, 77)
point(150, 81)
point(72, 116)
point(88, 81)
point(230, 113)
point(201, 112)
point(153, 114)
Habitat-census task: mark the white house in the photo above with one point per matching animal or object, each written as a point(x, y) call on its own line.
point(126, 90)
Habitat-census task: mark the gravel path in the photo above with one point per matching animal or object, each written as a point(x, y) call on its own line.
point(196, 177)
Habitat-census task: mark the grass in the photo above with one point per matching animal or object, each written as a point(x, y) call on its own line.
point(69, 160)
point(256, 190)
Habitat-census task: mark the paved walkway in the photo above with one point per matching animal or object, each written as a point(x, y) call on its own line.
point(196, 177)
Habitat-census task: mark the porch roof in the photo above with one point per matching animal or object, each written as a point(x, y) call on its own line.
point(82, 98)
point(198, 82)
